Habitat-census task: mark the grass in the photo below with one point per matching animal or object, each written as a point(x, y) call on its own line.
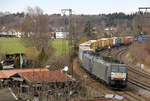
point(11, 45)
point(15, 45)
point(61, 46)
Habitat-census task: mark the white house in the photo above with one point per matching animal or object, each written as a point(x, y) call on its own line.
point(9, 33)
point(61, 35)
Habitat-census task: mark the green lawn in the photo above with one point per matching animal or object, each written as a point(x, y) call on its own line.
point(14, 45)
point(11, 45)
point(61, 46)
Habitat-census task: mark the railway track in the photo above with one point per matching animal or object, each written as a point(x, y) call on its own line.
point(138, 78)
point(92, 84)
point(129, 95)
point(87, 81)
point(119, 55)
point(139, 84)
point(139, 75)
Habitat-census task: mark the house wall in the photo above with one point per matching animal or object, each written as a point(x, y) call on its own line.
point(61, 35)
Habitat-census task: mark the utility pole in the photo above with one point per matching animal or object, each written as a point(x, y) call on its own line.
point(146, 16)
point(70, 23)
point(70, 43)
point(146, 19)
point(142, 24)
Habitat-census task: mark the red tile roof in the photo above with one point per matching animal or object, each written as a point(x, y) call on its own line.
point(99, 99)
point(95, 99)
point(8, 73)
point(36, 75)
point(47, 76)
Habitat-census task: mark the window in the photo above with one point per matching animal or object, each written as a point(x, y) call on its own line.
point(122, 69)
point(114, 69)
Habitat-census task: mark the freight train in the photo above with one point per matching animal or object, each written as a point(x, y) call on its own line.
point(109, 42)
point(111, 73)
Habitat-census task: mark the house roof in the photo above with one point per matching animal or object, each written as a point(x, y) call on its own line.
point(7, 73)
point(96, 99)
point(45, 76)
point(36, 75)
point(99, 99)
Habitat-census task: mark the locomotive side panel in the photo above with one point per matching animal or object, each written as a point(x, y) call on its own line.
point(87, 62)
point(99, 70)
point(80, 54)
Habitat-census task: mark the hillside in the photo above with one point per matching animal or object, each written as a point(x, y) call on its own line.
point(140, 53)
point(119, 20)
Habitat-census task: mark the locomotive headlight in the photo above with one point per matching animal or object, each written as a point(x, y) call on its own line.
point(124, 79)
point(112, 78)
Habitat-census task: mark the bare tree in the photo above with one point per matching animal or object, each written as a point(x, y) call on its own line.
point(36, 30)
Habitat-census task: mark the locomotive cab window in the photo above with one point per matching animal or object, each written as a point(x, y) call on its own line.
point(122, 69)
point(114, 69)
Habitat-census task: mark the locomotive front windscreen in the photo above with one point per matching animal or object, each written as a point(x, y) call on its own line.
point(122, 69)
point(114, 69)
point(118, 72)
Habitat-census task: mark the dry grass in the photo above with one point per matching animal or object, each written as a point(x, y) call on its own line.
point(140, 54)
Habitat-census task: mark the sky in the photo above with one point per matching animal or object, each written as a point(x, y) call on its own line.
point(78, 6)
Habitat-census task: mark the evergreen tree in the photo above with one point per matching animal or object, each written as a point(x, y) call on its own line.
point(17, 62)
point(1, 66)
point(88, 28)
point(140, 29)
point(42, 57)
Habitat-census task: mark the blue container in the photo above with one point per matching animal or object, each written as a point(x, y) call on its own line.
point(142, 38)
point(118, 41)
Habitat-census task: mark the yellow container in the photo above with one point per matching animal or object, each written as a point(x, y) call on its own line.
point(122, 40)
point(110, 42)
point(103, 43)
point(94, 45)
point(100, 43)
point(97, 44)
point(107, 42)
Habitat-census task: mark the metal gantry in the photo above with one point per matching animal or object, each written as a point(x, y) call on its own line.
point(144, 8)
point(70, 23)
point(143, 11)
point(141, 14)
point(70, 43)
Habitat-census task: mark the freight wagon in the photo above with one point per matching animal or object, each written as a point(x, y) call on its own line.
point(111, 42)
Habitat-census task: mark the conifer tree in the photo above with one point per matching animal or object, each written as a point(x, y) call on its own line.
point(88, 28)
point(17, 62)
point(42, 57)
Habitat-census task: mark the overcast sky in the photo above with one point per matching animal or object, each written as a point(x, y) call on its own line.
point(78, 6)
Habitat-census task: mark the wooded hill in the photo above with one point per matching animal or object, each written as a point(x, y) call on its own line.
point(123, 22)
